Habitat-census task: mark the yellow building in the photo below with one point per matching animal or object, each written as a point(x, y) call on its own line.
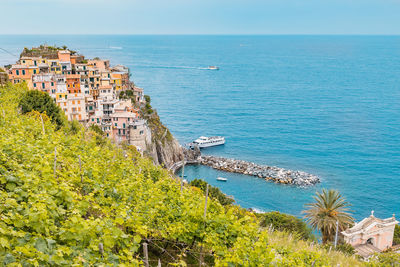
point(55, 66)
point(116, 80)
point(32, 61)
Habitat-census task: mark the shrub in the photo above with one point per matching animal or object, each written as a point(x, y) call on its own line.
point(286, 222)
point(342, 247)
point(74, 126)
point(147, 98)
point(389, 259)
point(213, 192)
point(396, 236)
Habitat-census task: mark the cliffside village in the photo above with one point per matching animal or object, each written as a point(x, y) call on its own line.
point(88, 90)
point(93, 92)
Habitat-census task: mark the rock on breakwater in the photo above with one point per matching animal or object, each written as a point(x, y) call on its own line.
point(270, 173)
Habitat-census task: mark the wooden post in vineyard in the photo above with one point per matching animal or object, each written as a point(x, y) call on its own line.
point(41, 118)
point(205, 206)
point(80, 169)
point(205, 213)
point(55, 162)
point(183, 174)
point(146, 255)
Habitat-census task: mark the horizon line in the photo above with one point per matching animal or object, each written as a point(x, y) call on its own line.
point(205, 34)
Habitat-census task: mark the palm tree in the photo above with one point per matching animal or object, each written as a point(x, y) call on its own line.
point(329, 207)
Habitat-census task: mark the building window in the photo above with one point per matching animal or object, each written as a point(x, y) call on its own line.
point(123, 131)
point(98, 120)
point(43, 85)
point(92, 119)
point(123, 126)
point(119, 131)
point(135, 127)
point(34, 85)
point(141, 132)
point(23, 72)
point(52, 83)
point(34, 71)
point(17, 72)
point(115, 124)
point(65, 96)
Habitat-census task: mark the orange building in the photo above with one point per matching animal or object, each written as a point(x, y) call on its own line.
point(20, 73)
point(73, 83)
point(64, 55)
point(76, 59)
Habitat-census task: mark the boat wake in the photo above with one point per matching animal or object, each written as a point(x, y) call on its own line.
point(177, 67)
point(115, 47)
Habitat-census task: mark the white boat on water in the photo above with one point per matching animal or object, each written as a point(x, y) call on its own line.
point(213, 68)
point(203, 141)
point(222, 179)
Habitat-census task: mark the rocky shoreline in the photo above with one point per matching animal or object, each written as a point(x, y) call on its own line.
point(269, 173)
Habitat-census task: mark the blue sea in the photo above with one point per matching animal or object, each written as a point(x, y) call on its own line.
point(328, 105)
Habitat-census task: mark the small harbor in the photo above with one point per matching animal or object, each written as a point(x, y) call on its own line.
point(269, 173)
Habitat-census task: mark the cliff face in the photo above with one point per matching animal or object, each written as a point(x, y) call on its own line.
point(161, 146)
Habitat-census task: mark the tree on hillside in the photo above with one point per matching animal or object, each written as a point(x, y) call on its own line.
point(329, 207)
point(43, 103)
point(396, 236)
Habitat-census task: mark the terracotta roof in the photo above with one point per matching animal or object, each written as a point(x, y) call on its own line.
point(366, 250)
point(368, 223)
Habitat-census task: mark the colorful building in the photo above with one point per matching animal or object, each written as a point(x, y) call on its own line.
point(371, 235)
point(73, 82)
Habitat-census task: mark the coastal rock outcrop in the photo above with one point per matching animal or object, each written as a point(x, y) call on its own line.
point(270, 173)
point(161, 146)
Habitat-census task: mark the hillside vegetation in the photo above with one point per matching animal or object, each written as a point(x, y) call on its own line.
point(56, 211)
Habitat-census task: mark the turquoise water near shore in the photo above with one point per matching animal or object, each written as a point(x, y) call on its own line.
point(328, 105)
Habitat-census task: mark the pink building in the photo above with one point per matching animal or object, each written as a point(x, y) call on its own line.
point(371, 235)
point(120, 125)
point(45, 82)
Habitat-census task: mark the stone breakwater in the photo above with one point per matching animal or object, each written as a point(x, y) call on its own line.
point(270, 173)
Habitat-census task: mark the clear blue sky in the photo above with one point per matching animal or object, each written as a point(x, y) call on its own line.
point(200, 16)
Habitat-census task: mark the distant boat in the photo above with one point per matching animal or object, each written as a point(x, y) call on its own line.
point(213, 68)
point(222, 179)
point(203, 141)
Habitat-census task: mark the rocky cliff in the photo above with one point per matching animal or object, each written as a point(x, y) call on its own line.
point(161, 146)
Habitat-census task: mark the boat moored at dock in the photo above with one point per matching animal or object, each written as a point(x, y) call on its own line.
point(222, 179)
point(203, 141)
